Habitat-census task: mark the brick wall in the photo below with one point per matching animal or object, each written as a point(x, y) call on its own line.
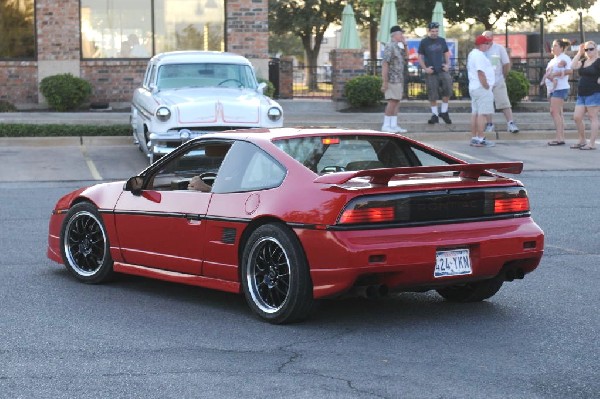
point(286, 77)
point(57, 25)
point(346, 64)
point(18, 80)
point(248, 28)
point(113, 81)
point(58, 51)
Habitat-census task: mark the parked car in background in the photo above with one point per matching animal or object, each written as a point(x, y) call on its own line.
point(290, 216)
point(189, 93)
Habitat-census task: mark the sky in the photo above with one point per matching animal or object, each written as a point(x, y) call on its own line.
point(568, 17)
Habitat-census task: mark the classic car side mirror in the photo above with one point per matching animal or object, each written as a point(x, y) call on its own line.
point(261, 87)
point(134, 185)
point(153, 88)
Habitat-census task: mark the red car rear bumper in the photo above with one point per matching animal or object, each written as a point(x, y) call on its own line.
point(404, 258)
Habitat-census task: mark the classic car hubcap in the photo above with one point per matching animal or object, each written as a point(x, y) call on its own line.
point(268, 275)
point(85, 243)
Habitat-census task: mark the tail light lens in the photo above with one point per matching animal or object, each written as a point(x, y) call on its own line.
point(511, 205)
point(368, 215)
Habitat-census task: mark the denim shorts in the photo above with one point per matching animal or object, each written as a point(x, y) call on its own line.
point(589, 101)
point(562, 94)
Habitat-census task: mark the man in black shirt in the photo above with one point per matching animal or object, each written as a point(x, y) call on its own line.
point(434, 58)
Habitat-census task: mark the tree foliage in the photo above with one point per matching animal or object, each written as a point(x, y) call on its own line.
point(307, 19)
point(17, 32)
point(486, 12)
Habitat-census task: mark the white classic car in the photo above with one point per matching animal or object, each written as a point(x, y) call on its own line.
point(189, 93)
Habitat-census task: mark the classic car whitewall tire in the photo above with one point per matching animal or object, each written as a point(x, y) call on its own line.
point(85, 247)
point(275, 276)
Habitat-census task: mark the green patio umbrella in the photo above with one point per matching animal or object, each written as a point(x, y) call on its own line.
point(349, 38)
point(389, 18)
point(438, 16)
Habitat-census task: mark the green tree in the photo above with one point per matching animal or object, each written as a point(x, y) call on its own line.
point(17, 34)
point(307, 19)
point(287, 44)
point(487, 12)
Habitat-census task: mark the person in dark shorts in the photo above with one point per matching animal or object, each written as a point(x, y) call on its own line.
point(434, 58)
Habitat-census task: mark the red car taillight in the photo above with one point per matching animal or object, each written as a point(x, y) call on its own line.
point(510, 205)
point(367, 215)
point(440, 206)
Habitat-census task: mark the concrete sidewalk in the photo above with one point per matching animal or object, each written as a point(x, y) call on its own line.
point(534, 119)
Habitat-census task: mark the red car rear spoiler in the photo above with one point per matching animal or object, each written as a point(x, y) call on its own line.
point(383, 176)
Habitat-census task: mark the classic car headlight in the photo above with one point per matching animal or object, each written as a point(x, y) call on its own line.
point(163, 114)
point(274, 114)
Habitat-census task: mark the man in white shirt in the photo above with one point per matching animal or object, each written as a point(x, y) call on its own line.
point(481, 80)
point(498, 56)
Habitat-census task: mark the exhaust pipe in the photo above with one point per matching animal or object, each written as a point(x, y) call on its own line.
point(370, 291)
point(514, 274)
point(520, 274)
point(377, 291)
point(509, 275)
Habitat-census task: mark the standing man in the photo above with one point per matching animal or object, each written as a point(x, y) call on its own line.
point(481, 80)
point(499, 58)
point(434, 58)
point(392, 73)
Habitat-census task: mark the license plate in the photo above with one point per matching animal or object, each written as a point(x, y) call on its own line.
point(456, 262)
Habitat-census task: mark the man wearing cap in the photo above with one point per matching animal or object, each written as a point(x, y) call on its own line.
point(481, 80)
point(498, 56)
point(392, 73)
point(434, 58)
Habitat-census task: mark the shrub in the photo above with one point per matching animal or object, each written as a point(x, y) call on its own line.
point(363, 91)
point(270, 89)
point(7, 106)
point(60, 130)
point(517, 86)
point(65, 92)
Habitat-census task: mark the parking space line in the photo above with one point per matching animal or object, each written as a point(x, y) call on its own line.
point(91, 166)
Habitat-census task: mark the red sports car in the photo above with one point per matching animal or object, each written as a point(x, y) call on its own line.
point(289, 216)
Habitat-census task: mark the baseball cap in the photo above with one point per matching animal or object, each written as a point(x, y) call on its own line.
point(433, 25)
point(482, 40)
point(396, 28)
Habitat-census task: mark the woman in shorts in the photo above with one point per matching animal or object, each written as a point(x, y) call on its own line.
point(588, 93)
point(561, 91)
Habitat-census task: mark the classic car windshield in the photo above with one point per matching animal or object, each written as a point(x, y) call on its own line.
point(177, 76)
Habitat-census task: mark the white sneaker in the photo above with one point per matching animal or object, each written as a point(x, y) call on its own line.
point(489, 128)
point(481, 142)
point(512, 127)
point(393, 129)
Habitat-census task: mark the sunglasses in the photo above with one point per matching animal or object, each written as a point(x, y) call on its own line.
point(434, 25)
point(590, 49)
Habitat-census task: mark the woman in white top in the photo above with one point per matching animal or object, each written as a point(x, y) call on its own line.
point(561, 90)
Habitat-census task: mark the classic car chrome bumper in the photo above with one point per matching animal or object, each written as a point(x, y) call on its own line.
point(164, 143)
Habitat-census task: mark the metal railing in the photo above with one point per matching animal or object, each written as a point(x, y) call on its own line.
point(312, 82)
point(316, 82)
point(532, 68)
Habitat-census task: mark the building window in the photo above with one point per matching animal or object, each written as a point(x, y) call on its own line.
point(142, 28)
point(17, 29)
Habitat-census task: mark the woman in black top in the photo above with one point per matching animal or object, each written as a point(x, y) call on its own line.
point(588, 93)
